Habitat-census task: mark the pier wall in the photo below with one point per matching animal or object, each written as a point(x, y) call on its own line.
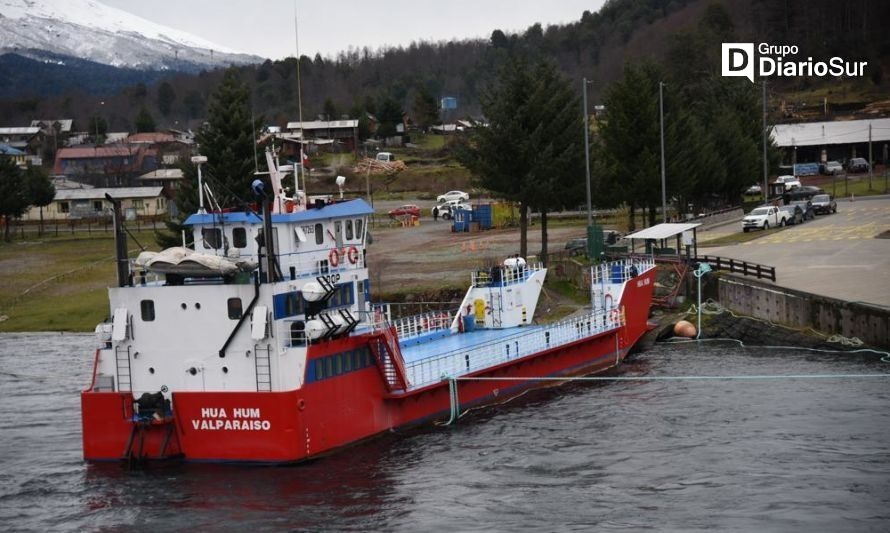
point(796, 308)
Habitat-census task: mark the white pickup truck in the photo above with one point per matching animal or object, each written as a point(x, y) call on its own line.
point(764, 217)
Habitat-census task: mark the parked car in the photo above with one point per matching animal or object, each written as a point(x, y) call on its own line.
point(857, 164)
point(832, 168)
point(805, 192)
point(807, 207)
point(754, 189)
point(449, 196)
point(386, 157)
point(824, 204)
point(405, 210)
point(447, 211)
point(789, 181)
point(793, 214)
point(763, 217)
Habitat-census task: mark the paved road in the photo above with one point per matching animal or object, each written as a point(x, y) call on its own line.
point(834, 255)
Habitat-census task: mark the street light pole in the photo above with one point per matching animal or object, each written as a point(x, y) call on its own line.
point(198, 160)
point(664, 211)
point(765, 163)
point(584, 83)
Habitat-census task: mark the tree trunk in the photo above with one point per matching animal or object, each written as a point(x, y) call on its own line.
point(523, 229)
point(40, 233)
point(651, 216)
point(544, 237)
point(6, 228)
point(631, 222)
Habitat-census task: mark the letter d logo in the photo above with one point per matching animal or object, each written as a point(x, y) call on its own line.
point(738, 60)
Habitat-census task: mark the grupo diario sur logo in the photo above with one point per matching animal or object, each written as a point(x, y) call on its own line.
point(739, 59)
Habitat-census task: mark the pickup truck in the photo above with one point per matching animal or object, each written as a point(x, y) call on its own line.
point(763, 218)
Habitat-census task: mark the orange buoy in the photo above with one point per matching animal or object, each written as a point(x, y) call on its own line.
point(684, 328)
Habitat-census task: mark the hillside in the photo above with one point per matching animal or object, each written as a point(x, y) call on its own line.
point(597, 46)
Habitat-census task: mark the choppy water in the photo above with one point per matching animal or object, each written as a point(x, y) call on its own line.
point(687, 456)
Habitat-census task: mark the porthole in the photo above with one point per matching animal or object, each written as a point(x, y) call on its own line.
point(225, 370)
point(183, 305)
point(193, 371)
point(197, 306)
point(151, 370)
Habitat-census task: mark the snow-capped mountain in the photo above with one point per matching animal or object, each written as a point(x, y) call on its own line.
point(90, 30)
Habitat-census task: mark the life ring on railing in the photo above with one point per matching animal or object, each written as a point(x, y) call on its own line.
point(352, 254)
point(334, 257)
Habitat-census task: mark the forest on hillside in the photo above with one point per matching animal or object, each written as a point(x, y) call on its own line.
point(597, 46)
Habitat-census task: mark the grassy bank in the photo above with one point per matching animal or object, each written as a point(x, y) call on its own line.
point(58, 283)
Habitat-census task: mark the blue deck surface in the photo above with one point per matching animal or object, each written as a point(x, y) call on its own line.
point(461, 341)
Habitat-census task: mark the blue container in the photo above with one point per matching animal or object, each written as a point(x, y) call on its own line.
point(470, 323)
point(483, 215)
point(616, 273)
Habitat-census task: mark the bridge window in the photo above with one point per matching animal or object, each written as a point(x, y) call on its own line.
point(147, 307)
point(239, 237)
point(350, 235)
point(319, 234)
point(234, 307)
point(212, 238)
point(359, 226)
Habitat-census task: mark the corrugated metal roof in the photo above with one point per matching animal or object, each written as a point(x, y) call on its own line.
point(64, 124)
point(153, 137)
point(836, 132)
point(163, 174)
point(115, 192)
point(323, 124)
point(108, 150)
point(27, 130)
point(662, 231)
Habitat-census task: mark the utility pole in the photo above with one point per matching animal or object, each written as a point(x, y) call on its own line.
point(765, 163)
point(664, 210)
point(584, 83)
point(869, 156)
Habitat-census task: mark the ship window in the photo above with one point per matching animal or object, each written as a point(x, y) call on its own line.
point(212, 238)
point(338, 233)
point(148, 310)
point(319, 234)
point(349, 233)
point(338, 364)
point(234, 306)
point(359, 226)
point(292, 304)
point(319, 369)
point(347, 362)
point(239, 237)
point(298, 333)
point(328, 366)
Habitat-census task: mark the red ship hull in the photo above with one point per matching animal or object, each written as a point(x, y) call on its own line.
point(322, 416)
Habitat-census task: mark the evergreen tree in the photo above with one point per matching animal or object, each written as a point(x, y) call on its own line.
point(426, 109)
point(144, 122)
point(228, 140)
point(13, 194)
point(40, 189)
point(390, 114)
point(330, 109)
point(166, 97)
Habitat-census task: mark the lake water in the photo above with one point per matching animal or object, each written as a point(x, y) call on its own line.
point(764, 455)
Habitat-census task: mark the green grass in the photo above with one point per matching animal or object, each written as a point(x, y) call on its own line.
point(66, 278)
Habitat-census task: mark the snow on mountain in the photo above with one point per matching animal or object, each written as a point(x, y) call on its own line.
point(88, 29)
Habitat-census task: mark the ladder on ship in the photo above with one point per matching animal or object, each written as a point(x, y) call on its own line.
point(122, 362)
point(385, 347)
point(263, 362)
point(135, 452)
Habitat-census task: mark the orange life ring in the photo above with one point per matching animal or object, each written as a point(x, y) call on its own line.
point(334, 257)
point(352, 254)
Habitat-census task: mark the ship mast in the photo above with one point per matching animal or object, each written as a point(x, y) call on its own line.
point(299, 110)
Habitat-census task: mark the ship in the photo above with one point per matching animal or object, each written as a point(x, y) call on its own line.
point(260, 343)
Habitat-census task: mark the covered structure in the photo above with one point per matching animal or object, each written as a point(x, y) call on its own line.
point(815, 142)
point(659, 238)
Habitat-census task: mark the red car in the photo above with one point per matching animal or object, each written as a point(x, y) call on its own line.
point(404, 210)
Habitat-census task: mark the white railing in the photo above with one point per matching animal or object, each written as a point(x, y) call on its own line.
point(434, 368)
point(417, 325)
point(504, 275)
point(621, 270)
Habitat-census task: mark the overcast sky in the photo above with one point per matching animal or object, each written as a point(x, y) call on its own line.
point(266, 27)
